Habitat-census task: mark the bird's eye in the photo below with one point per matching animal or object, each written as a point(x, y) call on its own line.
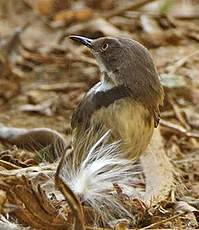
point(105, 46)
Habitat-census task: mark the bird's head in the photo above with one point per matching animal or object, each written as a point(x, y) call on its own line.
point(107, 51)
point(125, 62)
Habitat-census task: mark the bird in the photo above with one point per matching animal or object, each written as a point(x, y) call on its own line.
point(111, 129)
point(127, 98)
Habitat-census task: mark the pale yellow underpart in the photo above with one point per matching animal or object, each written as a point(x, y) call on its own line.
point(126, 120)
point(127, 123)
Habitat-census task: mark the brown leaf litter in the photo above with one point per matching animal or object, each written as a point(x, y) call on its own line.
point(43, 77)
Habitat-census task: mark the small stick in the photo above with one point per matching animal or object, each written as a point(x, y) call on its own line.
point(178, 113)
point(182, 61)
point(94, 228)
point(131, 6)
point(179, 129)
point(163, 221)
point(7, 165)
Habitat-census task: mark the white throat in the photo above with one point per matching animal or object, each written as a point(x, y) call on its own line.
point(105, 84)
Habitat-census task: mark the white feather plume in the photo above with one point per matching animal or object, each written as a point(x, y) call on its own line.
point(92, 180)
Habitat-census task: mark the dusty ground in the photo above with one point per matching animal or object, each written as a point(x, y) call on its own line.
point(47, 74)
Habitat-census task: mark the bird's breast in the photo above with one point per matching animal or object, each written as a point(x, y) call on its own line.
point(129, 122)
point(96, 100)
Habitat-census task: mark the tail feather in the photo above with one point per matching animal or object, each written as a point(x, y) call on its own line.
point(93, 179)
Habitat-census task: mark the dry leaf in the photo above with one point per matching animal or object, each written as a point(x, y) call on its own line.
point(102, 5)
point(35, 205)
point(48, 7)
point(69, 16)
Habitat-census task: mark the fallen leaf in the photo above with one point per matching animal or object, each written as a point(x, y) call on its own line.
point(172, 81)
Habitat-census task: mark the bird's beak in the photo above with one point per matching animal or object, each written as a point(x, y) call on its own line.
point(85, 41)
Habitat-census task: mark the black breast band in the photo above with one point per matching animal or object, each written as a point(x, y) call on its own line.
point(95, 101)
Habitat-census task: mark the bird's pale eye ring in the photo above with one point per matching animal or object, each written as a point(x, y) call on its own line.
point(105, 47)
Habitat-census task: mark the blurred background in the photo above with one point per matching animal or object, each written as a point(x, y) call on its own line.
point(44, 75)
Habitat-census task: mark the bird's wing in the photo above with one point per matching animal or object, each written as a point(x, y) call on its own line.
point(96, 100)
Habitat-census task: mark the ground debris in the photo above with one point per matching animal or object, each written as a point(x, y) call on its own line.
point(43, 76)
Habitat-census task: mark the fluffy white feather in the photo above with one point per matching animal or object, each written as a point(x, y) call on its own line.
point(92, 180)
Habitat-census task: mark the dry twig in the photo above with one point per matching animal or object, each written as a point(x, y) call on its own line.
point(154, 225)
point(179, 129)
point(131, 6)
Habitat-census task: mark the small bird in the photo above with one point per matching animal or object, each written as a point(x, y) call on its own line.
point(126, 100)
point(112, 126)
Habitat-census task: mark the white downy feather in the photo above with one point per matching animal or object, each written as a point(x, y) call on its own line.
point(93, 179)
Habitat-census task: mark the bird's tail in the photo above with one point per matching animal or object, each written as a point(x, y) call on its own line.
point(95, 179)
